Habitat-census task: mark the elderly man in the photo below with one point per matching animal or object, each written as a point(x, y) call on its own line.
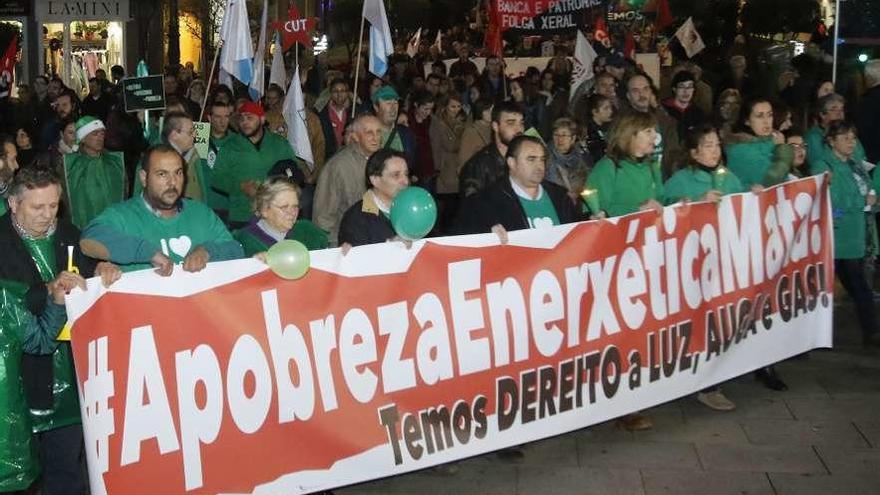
point(245, 161)
point(94, 178)
point(37, 247)
point(394, 136)
point(160, 228)
point(341, 183)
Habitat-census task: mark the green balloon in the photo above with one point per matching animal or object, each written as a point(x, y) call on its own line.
point(413, 213)
point(288, 259)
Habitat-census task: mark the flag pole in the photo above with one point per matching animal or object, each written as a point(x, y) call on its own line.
point(836, 41)
point(210, 80)
point(357, 68)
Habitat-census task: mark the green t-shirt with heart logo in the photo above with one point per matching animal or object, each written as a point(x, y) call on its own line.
point(132, 233)
point(540, 212)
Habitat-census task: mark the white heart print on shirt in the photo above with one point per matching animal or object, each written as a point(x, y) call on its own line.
point(180, 245)
point(540, 223)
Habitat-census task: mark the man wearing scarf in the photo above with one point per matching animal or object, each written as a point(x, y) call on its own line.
point(41, 263)
point(94, 177)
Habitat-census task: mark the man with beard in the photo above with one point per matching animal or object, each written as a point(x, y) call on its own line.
point(64, 106)
point(488, 165)
point(178, 132)
point(159, 228)
point(245, 161)
point(94, 178)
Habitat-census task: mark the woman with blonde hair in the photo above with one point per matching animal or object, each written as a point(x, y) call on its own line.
point(276, 208)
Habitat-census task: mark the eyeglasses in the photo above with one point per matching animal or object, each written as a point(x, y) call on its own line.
point(290, 208)
point(800, 146)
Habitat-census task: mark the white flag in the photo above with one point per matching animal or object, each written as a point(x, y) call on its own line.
point(258, 83)
point(278, 74)
point(584, 56)
point(238, 48)
point(225, 79)
point(412, 48)
point(438, 42)
point(381, 45)
point(689, 38)
point(295, 115)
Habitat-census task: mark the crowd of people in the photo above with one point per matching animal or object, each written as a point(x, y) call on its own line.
point(89, 185)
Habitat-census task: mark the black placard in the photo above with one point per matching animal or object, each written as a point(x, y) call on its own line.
point(143, 93)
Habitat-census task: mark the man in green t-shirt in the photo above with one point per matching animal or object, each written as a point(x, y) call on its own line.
point(522, 199)
point(245, 161)
point(159, 228)
point(219, 116)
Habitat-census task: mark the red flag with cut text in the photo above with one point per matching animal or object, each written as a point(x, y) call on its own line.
point(7, 68)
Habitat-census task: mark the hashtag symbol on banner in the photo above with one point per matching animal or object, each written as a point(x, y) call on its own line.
point(98, 417)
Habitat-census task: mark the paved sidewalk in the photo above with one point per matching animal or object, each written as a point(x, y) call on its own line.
point(822, 436)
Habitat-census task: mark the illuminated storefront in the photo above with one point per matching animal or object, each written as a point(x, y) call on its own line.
point(78, 37)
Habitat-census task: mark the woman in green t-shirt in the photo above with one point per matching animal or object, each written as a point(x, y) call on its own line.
point(276, 209)
point(628, 178)
point(703, 178)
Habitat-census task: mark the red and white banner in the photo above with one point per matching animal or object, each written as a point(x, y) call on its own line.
point(388, 360)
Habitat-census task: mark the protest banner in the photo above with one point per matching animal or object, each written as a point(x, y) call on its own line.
point(389, 359)
point(544, 16)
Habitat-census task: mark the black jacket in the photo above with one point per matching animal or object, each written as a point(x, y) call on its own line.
point(363, 223)
point(18, 265)
point(481, 171)
point(868, 123)
point(499, 205)
point(330, 147)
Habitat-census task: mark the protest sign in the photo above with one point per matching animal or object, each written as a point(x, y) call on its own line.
point(143, 93)
point(201, 137)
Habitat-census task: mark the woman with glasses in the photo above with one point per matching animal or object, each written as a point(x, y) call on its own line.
point(276, 208)
point(569, 162)
point(852, 195)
